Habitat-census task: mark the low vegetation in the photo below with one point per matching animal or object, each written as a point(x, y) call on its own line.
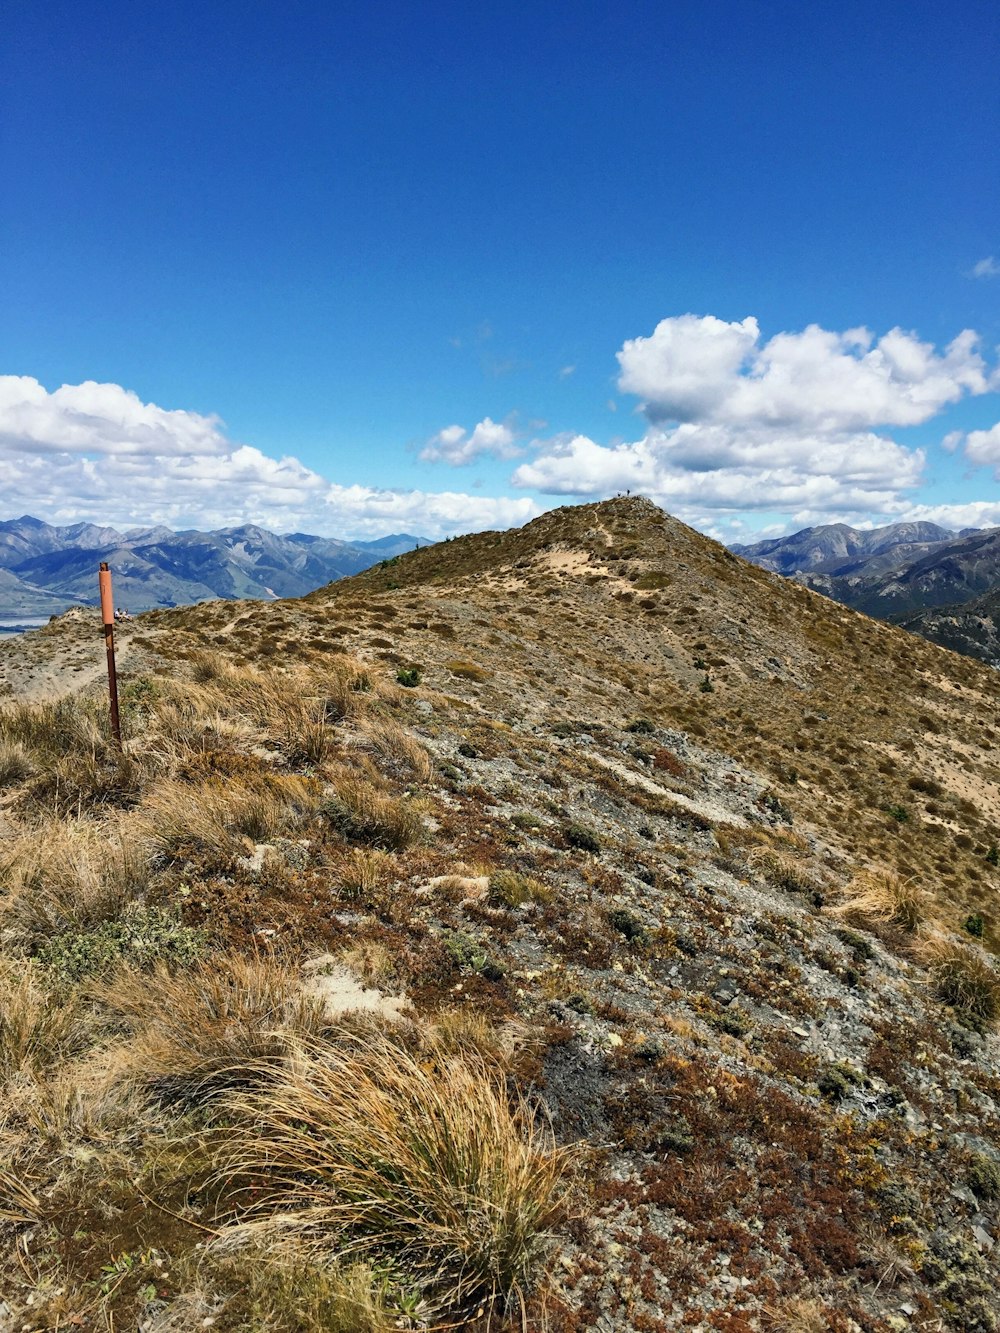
point(537, 991)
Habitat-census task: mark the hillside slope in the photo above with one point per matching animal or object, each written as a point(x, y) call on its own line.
point(971, 627)
point(692, 856)
point(936, 583)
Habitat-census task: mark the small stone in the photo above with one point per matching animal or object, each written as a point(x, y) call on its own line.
point(964, 1195)
point(983, 1238)
point(726, 993)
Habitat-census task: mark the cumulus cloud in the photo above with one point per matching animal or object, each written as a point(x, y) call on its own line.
point(694, 368)
point(458, 446)
point(966, 514)
point(679, 468)
point(986, 268)
point(794, 424)
point(102, 419)
point(96, 451)
point(982, 448)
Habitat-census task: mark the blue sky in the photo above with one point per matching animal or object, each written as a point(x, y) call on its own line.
point(353, 269)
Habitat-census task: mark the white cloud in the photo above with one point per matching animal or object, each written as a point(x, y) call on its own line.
point(458, 446)
point(367, 511)
point(694, 368)
point(688, 366)
point(967, 514)
point(102, 419)
point(717, 468)
point(986, 268)
point(566, 372)
point(97, 452)
point(982, 448)
point(795, 424)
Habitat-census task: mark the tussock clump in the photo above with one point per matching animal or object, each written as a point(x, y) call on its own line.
point(209, 665)
point(212, 818)
point(364, 871)
point(347, 690)
point(408, 1159)
point(197, 1033)
point(964, 978)
point(361, 813)
point(509, 888)
point(781, 870)
point(65, 748)
point(35, 1029)
point(880, 897)
point(63, 877)
point(16, 763)
point(467, 670)
point(277, 1288)
point(395, 750)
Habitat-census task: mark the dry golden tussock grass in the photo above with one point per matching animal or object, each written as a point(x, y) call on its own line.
point(361, 813)
point(36, 1030)
point(16, 763)
point(364, 871)
point(415, 1157)
point(194, 1034)
point(18, 1201)
point(802, 1315)
point(395, 749)
point(370, 961)
point(70, 876)
point(781, 869)
point(880, 897)
point(278, 1288)
point(964, 977)
point(214, 818)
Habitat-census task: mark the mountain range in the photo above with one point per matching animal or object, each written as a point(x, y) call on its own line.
point(46, 569)
point(941, 584)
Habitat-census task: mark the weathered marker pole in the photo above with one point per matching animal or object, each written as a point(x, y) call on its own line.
point(108, 620)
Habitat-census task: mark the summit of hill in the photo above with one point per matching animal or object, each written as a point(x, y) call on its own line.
point(662, 885)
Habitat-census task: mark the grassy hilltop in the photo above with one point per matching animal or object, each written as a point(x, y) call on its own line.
point(571, 928)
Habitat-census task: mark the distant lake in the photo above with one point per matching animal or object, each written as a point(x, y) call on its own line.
point(18, 624)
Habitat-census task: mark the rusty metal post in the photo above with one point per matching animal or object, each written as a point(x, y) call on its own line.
point(108, 620)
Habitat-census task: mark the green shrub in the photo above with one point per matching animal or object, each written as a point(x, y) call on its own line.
point(508, 888)
point(580, 837)
point(409, 676)
point(984, 1176)
point(141, 937)
point(837, 1081)
point(469, 954)
point(628, 926)
point(897, 812)
point(641, 727)
point(526, 821)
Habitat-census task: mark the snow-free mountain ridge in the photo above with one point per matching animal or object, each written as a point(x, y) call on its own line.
point(47, 568)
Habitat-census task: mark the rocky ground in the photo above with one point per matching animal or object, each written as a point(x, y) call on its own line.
point(653, 775)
